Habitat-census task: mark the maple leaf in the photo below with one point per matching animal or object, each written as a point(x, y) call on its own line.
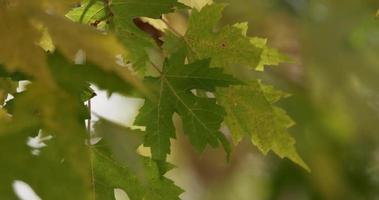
point(250, 112)
point(227, 47)
point(201, 115)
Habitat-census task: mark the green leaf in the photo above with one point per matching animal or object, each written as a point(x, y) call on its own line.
point(250, 112)
point(119, 166)
point(201, 116)
point(227, 47)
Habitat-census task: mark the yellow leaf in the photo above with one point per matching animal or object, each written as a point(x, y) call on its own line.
point(18, 38)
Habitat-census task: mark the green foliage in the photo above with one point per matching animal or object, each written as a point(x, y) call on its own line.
point(201, 116)
point(39, 44)
point(65, 158)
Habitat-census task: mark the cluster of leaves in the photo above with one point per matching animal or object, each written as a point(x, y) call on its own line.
point(197, 80)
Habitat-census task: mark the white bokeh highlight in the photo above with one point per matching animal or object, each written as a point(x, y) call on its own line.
point(23, 191)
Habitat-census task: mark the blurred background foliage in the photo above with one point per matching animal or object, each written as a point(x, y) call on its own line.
point(334, 82)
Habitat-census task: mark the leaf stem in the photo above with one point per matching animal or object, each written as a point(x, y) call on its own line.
point(172, 29)
point(156, 68)
point(89, 118)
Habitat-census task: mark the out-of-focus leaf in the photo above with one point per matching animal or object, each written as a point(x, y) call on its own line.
point(14, 76)
point(119, 166)
point(123, 143)
point(4, 116)
point(76, 78)
point(60, 171)
point(198, 4)
point(26, 17)
point(64, 160)
point(27, 57)
point(102, 54)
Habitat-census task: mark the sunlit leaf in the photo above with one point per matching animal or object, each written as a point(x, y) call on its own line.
point(251, 113)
